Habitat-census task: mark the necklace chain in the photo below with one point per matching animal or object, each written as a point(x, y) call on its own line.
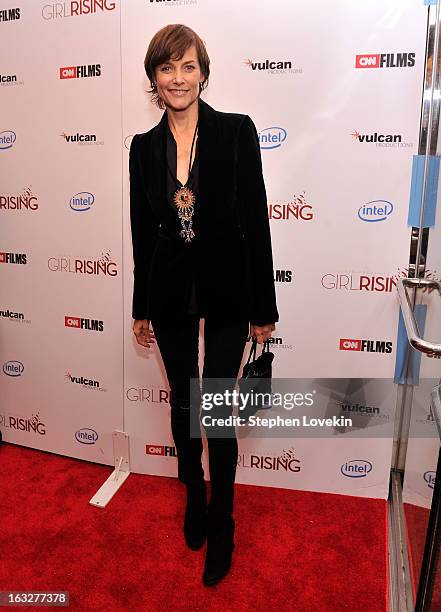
point(184, 199)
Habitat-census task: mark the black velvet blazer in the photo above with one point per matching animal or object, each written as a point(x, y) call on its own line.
point(231, 258)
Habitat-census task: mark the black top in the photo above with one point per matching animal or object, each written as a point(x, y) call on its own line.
point(173, 183)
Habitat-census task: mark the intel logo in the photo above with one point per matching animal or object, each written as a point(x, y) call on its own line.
point(356, 468)
point(82, 201)
point(377, 210)
point(7, 139)
point(13, 368)
point(429, 477)
point(272, 137)
point(86, 436)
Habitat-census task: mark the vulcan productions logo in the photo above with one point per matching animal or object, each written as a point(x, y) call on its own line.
point(385, 60)
point(75, 8)
point(286, 462)
point(11, 315)
point(86, 383)
point(298, 209)
point(83, 323)
point(80, 72)
point(10, 80)
point(361, 410)
point(151, 395)
point(390, 141)
point(275, 342)
point(366, 346)
point(160, 450)
point(356, 281)
point(32, 425)
point(81, 139)
point(11, 14)
point(22, 201)
point(13, 258)
point(273, 66)
point(102, 266)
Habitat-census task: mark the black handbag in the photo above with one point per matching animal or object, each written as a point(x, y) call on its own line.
point(256, 379)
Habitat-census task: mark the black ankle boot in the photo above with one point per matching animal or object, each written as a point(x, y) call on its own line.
point(220, 544)
point(195, 521)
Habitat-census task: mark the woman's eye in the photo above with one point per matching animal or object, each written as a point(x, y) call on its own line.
point(190, 67)
point(165, 68)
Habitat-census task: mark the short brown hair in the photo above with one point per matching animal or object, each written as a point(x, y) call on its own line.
point(171, 42)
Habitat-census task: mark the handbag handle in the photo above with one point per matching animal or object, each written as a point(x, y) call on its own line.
point(253, 349)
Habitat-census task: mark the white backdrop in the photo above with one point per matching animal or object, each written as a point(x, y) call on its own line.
point(348, 138)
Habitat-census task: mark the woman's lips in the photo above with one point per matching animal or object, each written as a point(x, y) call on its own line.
point(178, 92)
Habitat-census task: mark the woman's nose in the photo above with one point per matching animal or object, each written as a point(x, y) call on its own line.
point(179, 77)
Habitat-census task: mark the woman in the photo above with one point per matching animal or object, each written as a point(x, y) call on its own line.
point(201, 249)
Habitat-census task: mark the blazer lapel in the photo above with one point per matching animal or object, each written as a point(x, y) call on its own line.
point(209, 140)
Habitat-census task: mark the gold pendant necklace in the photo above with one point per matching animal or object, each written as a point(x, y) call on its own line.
point(184, 200)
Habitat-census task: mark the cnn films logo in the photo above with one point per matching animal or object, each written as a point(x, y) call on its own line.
point(160, 450)
point(356, 468)
point(299, 209)
point(82, 201)
point(33, 425)
point(385, 60)
point(151, 395)
point(13, 258)
point(272, 137)
point(80, 72)
point(11, 14)
point(76, 8)
point(359, 282)
point(379, 139)
point(365, 346)
point(7, 139)
point(86, 383)
point(286, 462)
point(429, 478)
point(273, 66)
point(9, 80)
point(86, 436)
point(282, 276)
point(16, 317)
point(103, 266)
point(375, 211)
point(24, 201)
point(81, 139)
point(83, 323)
point(13, 368)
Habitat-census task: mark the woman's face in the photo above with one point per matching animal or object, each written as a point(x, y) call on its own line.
point(178, 81)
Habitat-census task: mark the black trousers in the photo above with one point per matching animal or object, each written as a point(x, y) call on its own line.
point(224, 344)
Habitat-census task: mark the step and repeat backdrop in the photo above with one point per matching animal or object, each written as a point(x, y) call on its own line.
point(335, 95)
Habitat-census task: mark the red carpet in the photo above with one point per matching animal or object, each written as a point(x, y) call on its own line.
point(294, 550)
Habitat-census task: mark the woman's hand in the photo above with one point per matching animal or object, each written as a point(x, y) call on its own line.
point(144, 335)
point(262, 333)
